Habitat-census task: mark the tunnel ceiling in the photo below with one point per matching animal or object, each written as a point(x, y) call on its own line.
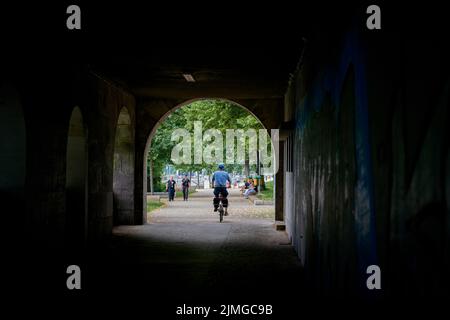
point(218, 71)
point(233, 51)
point(236, 51)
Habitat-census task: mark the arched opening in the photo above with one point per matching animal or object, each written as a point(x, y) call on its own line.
point(76, 181)
point(123, 183)
point(208, 111)
point(13, 151)
point(186, 238)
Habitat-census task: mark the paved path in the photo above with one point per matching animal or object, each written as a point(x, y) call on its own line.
point(185, 254)
point(200, 208)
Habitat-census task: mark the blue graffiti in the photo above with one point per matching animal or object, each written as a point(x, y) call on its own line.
point(330, 82)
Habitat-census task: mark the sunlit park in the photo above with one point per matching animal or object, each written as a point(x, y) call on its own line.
point(208, 126)
point(186, 233)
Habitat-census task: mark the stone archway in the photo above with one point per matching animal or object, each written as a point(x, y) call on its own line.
point(256, 109)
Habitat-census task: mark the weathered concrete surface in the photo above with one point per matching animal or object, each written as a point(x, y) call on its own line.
point(279, 185)
point(371, 163)
point(106, 100)
point(123, 184)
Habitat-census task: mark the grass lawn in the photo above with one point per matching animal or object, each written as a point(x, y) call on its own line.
point(267, 194)
point(179, 193)
point(153, 204)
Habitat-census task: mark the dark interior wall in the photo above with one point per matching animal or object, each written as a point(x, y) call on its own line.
point(12, 154)
point(371, 161)
point(105, 100)
point(410, 148)
point(54, 164)
point(47, 121)
point(46, 99)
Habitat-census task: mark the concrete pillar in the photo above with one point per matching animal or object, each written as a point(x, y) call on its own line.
point(46, 168)
point(279, 183)
point(123, 184)
point(149, 113)
point(140, 185)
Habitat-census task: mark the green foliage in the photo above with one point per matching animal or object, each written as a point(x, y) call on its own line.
point(267, 193)
point(153, 204)
point(214, 114)
point(158, 186)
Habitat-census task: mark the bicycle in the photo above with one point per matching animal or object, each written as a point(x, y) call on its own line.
point(221, 208)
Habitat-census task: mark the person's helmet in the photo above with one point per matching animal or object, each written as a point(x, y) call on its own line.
point(221, 166)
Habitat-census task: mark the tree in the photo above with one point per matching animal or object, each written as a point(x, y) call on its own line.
point(213, 114)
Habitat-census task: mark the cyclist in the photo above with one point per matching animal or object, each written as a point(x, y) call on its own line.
point(219, 181)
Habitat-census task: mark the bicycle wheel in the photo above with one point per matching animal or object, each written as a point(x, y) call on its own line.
point(220, 213)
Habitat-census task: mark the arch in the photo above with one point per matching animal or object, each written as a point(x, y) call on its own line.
point(76, 180)
point(188, 102)
point(13, 150)
point(123, 177)
point(157, 125)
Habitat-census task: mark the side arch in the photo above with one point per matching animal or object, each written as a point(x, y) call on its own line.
point(76, 181)
point(123, 179)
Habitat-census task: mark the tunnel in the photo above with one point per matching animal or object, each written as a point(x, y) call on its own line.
point(363, 181)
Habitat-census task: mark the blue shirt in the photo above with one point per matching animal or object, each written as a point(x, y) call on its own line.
point(220, 178)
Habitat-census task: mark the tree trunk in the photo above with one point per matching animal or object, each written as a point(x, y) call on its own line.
point(258, 179)
point(262, 183)
point(151, 176)
point(246, 168)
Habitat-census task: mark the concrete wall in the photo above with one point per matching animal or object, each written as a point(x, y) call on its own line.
point(105, 100)
point(82, 144)
point(53, 169)
point(123, 184)
point(371, 174)
point(13, 139)
point(289, 200)
point(12, 155)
